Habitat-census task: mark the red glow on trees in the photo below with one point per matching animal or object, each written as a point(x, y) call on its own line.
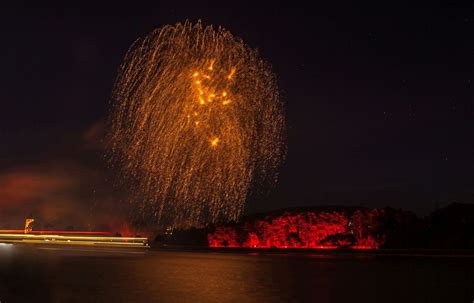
point(316, 230)
point(252, 241)
point(366, 225)
point(223, 237)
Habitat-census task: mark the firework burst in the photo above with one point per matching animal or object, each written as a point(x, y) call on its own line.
point(196, 122)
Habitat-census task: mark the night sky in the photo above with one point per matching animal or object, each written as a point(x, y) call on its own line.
point(379, 101)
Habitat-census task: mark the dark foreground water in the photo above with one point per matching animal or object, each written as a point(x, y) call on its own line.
point(58, 275)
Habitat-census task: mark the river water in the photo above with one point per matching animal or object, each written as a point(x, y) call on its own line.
point(52, 274)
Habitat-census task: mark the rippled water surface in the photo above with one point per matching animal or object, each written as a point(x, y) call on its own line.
point(59, 275)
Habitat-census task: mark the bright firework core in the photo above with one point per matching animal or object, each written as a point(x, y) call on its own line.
point(197, 121)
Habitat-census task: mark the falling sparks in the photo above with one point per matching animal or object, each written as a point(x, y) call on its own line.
point(191, 159)
point(215, 141)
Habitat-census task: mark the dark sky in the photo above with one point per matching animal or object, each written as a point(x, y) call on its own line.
point(379, 100)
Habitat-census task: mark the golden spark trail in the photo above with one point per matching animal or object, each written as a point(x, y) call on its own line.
point(196, 122)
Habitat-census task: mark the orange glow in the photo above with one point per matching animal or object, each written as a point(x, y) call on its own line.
point(232, 72)
point(212, 64)
point(215, 141)
point(171, 119)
